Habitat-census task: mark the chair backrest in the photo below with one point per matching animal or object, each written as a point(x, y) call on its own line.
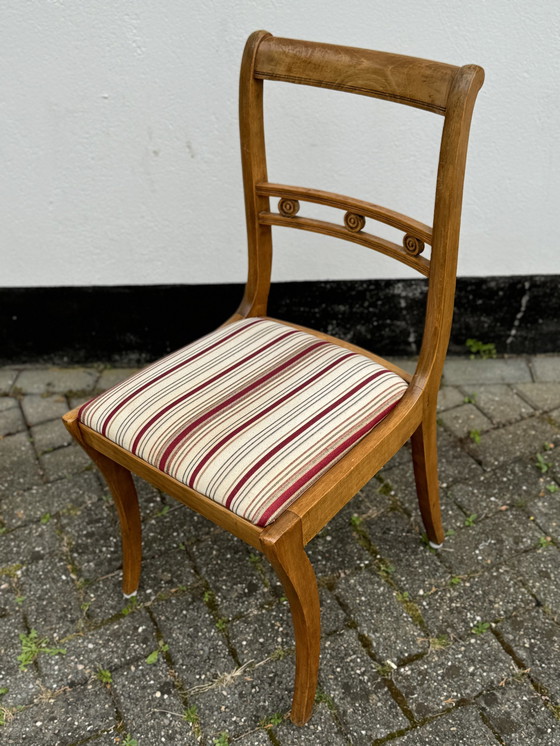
point(443, 89)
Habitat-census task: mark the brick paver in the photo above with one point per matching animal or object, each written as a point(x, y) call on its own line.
point(454, 647)
point(462, 371)
point(546, 368)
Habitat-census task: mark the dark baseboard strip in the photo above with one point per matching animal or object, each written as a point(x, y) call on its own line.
point(131, 325)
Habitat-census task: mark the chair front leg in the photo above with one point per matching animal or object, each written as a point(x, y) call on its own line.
point(424, 458)
point(283, 545)
point(121, 485)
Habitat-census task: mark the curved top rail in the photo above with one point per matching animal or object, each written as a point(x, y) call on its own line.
point(367, 209)
point(416, 82)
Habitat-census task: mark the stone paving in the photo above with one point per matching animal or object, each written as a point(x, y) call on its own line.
point(449, 647)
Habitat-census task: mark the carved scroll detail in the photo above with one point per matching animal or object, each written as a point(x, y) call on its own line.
point(413, 245)
point(354, 222)
point(288, 207)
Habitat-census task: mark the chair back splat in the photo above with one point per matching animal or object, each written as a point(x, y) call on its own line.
point(268, 429)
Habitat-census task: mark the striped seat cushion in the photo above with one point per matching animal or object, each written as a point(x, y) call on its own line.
point(250, 415)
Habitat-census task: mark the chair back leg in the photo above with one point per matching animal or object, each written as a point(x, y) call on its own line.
point(424, 458)
point(283, 545)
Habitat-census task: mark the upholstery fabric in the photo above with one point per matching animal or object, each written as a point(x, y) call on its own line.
point(250, 415)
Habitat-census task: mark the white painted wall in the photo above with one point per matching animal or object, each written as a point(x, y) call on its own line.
point(119, 158)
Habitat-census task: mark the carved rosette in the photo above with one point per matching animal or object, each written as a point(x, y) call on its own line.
point(354, 222)
point(288, 207)
point(413, 245)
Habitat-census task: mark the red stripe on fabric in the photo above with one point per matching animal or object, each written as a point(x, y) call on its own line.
point(207, 456)
point(320, 465)
point(84, 405)
point(178, 438)
point(296, 433)
point(167, 372)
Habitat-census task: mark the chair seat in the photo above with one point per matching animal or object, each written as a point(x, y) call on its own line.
point(250, 415)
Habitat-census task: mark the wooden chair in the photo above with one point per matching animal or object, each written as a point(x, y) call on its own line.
point(285, 504)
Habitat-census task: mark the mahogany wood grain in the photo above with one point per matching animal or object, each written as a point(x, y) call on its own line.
point(437, 87)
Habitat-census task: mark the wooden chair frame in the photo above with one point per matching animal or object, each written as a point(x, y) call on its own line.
point(440, 88)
